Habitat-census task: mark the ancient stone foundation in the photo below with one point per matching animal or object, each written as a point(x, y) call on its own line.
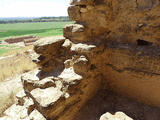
point(107, 61)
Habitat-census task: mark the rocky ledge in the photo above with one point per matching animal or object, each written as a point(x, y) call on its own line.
point(106, 63)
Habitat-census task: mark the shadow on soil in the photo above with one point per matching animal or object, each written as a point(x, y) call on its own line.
point(107, 101)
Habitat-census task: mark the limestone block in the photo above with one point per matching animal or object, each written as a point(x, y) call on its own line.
point(117, 116)
point(74, 32)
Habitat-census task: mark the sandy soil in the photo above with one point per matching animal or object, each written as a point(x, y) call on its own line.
point(8, 90)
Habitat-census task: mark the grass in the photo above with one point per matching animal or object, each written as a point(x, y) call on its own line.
point(41, 29)
point(6, 49)
point(3, 51)
point(37, 29)
point(10, 67)
point(17, 64)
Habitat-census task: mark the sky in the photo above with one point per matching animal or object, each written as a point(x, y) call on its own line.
point(33, 8)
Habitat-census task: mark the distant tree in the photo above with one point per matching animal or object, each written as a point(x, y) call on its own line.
point(41, 19)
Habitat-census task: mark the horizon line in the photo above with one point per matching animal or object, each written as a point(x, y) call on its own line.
point(34, 16)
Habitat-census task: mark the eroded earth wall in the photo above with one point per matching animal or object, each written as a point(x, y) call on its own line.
point(126, 34)
point(124, 21)
point(112, 46)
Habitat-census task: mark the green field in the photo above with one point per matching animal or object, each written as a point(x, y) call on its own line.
point(6, 48)
point(37, 29)
point(41, 29)
point(2, 51)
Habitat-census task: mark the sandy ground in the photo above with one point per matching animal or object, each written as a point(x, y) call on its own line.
point(9, 56)
point(8, 89)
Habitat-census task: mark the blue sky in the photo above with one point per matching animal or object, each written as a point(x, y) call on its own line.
point(33, 8)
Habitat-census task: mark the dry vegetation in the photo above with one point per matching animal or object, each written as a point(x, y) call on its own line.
point(16, 51)
point(17, 64)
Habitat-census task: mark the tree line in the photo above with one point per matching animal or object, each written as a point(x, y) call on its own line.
point(41, 19)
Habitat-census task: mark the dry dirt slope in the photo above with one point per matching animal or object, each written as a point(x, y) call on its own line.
point(12, 66)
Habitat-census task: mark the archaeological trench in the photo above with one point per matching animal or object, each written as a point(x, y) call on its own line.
point(106, 67)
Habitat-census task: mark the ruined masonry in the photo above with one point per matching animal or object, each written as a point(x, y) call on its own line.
point(112, 50)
